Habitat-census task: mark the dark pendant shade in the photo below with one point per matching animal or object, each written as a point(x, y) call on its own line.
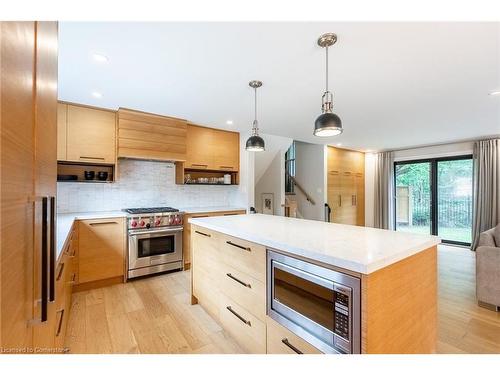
point(255, 143)
point(328, 124)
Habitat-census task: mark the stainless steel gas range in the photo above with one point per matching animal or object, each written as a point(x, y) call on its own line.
point(154, 240)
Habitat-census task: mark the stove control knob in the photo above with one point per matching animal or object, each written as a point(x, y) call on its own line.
point(170, 220)
point(157, 221)
point(177, 219)
point(148, 225)
point(142, 223)
point(133, 223)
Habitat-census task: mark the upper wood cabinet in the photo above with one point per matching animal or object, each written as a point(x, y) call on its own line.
point(86, 134)
point(212, 149)
point(147, 136)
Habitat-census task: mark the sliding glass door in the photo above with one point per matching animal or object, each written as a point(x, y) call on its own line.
point(435, 196)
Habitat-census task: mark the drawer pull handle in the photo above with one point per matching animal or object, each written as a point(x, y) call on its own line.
point(203, 234)
point(238, 246)
point(226, 167)
point(247, 322)
point(91, 158)
point(59, 274)
point(287, 343)
point(238, 280)
point(59, 326)
point(199, 165)
point(104, 223)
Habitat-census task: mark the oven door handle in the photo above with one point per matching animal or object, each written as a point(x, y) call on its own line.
point(138, 232)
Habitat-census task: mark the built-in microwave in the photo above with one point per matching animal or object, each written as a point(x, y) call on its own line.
point(320, 305)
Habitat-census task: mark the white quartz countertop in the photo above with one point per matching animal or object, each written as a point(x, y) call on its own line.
point(359, 249)
point(200, 210)
point(65, 221)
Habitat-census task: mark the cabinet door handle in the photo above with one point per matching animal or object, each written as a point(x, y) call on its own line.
point(73, 279)
point(199, 165)
point(44, 262)
point(203, 234)
point(225, 167)
point(91, 158)
point(247, 322)
point(197, 217)
point(287, 343)
point(104, 223)
point(52, 249)
point(61, 269)
point(59, 326)
point(238, 280)
point(238, 246)
point(340, 200)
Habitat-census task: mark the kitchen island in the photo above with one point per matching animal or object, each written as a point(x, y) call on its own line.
point(391, 303)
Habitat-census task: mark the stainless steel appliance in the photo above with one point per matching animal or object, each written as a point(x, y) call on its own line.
point(154, 240)
point(319, 304)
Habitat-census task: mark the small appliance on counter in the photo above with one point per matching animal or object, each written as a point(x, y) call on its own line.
point(154, 240)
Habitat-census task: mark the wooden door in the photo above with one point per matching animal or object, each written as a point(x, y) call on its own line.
point(62, 117)
point(45, 159)
point(199, 148)
point(91, 135)
point(225, 149)
point(17, 40)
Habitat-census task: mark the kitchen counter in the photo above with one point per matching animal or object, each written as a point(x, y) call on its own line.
point(200, 210)
point(359, 249)
point(65, 221)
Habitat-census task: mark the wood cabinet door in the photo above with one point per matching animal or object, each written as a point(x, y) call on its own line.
point(101, 249)
point(91, 135)
point(199, 148)
point(62, 117)
point(225, 149)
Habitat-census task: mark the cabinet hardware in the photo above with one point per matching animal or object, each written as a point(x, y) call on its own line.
point(230, 214)
point(238, 280)
point(238, 246)
point(91, 158)
point(73, 279)
point(61, 269)
point(340, 200)
point(52, 249)
point(225, 167)
point(44, 261)
point(197, 217)
point(203, 234)
point(247, 322)
point(59, 326)
point(200, 165)
point(104, 223)
point(287, 343)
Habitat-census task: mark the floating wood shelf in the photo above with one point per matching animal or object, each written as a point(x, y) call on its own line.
point(181, 173)
point(78, 169)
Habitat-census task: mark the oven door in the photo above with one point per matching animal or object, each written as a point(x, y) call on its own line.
point(306, 299)
point(152, 247)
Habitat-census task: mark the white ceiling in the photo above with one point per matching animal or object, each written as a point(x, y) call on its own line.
point(395, 85)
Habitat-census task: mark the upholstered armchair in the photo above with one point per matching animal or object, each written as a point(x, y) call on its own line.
point(488, 269)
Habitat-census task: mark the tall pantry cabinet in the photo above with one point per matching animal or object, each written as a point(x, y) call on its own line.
point(28, 184)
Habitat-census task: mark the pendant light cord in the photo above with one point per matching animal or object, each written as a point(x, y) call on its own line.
point(326, 69)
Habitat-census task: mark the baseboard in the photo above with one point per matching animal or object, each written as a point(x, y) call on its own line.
point(97, 284)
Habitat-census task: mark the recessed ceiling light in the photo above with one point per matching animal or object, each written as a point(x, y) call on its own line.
point(100, 58)
point(339, 144)
point(369, 151)
point(229, 122)
point(96, 94)
point(494, 93)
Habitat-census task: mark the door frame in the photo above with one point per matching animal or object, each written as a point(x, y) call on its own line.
point(434, 190)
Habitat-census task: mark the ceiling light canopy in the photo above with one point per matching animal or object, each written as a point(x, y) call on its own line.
point(328, 124)
point(255, 143)
point(96, 94)
point(100, 58)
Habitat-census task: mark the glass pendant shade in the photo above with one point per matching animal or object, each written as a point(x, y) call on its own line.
point(327, 125)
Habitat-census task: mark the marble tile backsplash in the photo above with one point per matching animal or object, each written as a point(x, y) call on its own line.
point(140, 184)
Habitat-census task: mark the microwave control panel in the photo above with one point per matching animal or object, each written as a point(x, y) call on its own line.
point(342, 318)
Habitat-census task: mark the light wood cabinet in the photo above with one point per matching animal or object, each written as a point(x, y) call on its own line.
point(62, 129)
point(90, 135)
point(186, 235)
point(212, 149)
point(346, 186)
point(281, 340)
point(101, 249)
point(148, 136)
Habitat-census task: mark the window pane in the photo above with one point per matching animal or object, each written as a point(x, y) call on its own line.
point(413, 197)
point(455, 200)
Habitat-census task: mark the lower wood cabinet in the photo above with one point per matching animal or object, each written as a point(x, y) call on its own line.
point(281, 340)
point(101, 249)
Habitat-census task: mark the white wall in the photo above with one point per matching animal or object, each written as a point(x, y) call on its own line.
point(243, 194)
point(311, 173)
point(272, 181)
point(147, 184)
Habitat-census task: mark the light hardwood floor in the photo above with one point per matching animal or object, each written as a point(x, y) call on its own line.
point(153, 315)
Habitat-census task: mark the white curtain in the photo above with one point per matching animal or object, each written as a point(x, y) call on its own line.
point(384, 190)
point(486, 187)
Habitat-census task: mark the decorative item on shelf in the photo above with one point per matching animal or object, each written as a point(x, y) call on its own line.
point(328, 124)
point(255, 142)
point(89, 175)
point(187, 178)
point(67, 177)
point(102, 175)
point(226, 179)
point(268, 203)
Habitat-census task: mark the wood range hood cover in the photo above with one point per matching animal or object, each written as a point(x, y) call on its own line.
point(147, 136)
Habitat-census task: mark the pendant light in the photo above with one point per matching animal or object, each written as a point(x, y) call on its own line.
point(255, 143)
point(328, 123)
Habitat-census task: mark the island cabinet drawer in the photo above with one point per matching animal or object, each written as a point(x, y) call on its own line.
point(248, 331)
point(244, 289)
point(206, 290)
point(244, 256)
point(280, 340)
